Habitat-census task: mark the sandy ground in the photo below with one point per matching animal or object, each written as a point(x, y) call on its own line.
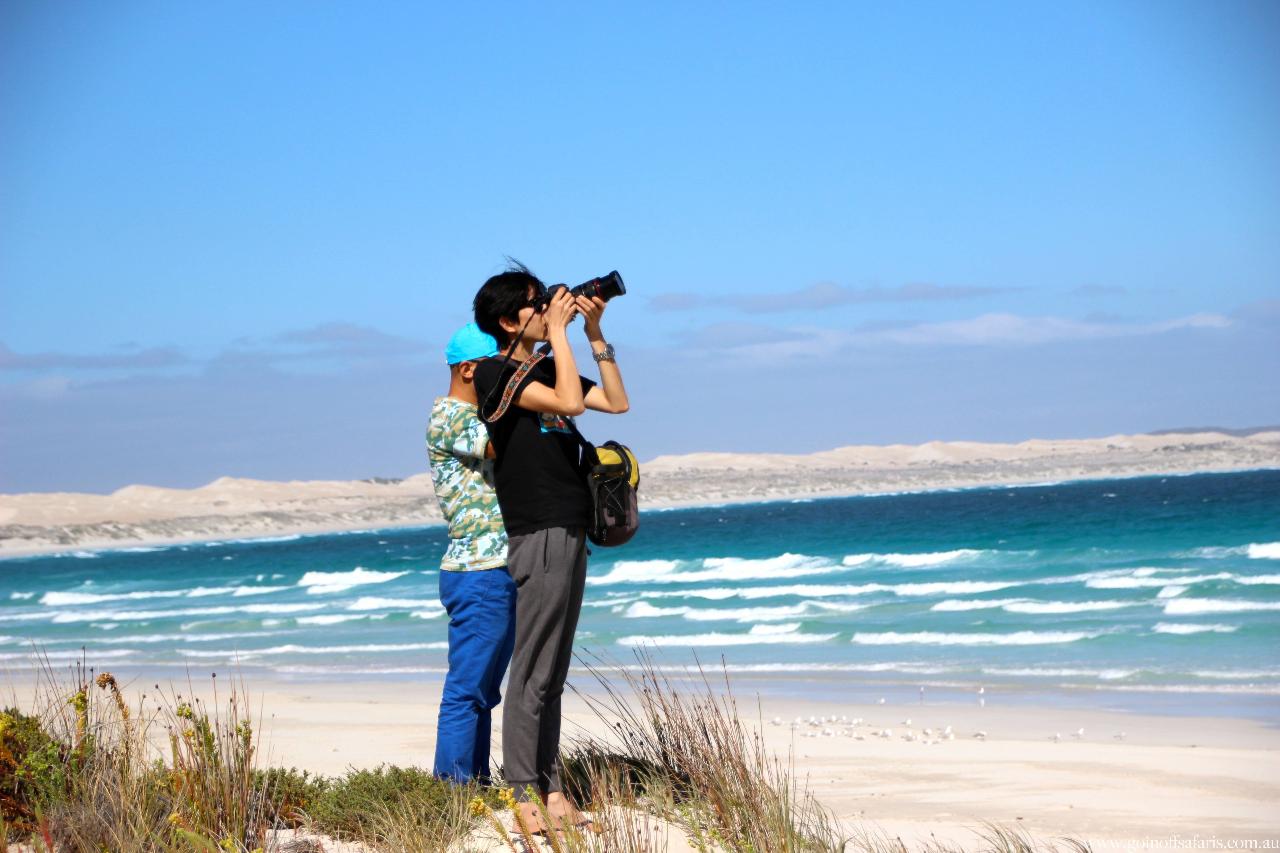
point(1126, 777)
point(239, 508)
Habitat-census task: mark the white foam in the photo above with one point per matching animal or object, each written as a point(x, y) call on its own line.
point(371, 602)
point(747, 614)
point(1171, 591)
point(293, 649)
point(70, 654)
point(1236, 673)
point(1257, 689)
point(206, 591)
point(428, 614)
point(1263, 550)
point(1188, 606)
point(913, 668)
point(1067, 606)
point(21, 596)
point(1133, 582)
point(292, 537)
point(916, 561)
point(305, 669)
point(277, 608)
point(644, 610)
point(835, 606)
point(637, 571)
point(833, 590)
point(789, 628)
point(145, 615)
point(71, 599)
point(719, 569)
point(1216, 552)
point(321, 583)
point(180, 638)
point(1188, 628)
point(974, 603)
point(1017, 638)
point(950, 587)
point(1040, 672)
point(758, 635)
point(331, 618)
point(1270, 580)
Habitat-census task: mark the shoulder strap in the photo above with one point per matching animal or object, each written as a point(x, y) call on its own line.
point(509, 393)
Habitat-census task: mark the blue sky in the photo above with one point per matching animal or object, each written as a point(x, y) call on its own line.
point(234, 237)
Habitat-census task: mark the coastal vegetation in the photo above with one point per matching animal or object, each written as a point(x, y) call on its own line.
point(84, 770)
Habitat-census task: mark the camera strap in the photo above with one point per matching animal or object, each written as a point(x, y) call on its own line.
point(513, 384)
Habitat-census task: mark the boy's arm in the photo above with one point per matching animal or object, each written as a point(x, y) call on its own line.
point(466, 436)
point(610, 395)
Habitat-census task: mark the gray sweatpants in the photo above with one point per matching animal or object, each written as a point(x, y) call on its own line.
point(550, 571)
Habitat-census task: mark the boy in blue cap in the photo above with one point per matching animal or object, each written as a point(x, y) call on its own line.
point(475, 588)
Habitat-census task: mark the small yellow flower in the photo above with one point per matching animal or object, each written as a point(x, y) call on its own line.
point(228, 844)
point(175, 819)
point(478, 807)
point(508, 797)
point(184, 711)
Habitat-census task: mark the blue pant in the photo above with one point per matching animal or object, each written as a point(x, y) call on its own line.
point(482, 632)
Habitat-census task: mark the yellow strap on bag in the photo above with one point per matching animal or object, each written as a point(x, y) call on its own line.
point(617, 460)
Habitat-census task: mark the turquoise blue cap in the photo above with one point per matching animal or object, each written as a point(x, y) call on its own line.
point(468, 344)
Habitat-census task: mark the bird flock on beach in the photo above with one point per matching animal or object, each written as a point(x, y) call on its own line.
point(859, 729)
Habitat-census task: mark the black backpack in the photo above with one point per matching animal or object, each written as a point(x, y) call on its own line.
point(613, 479)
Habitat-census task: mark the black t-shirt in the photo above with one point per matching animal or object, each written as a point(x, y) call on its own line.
point(537, 474)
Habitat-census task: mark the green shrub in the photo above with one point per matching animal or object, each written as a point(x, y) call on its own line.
point(356, 805)
point(33, 770)
point(289, 796)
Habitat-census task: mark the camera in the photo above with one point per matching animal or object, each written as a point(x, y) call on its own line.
point(606, 287)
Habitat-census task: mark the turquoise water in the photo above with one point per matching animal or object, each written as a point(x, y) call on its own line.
point(1169, 584)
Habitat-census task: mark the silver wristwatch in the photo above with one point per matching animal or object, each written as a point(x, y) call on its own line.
point(607, 355)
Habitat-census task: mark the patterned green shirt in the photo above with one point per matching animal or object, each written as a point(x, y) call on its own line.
point(456, 443)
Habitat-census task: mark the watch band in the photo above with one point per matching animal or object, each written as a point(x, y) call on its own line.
point(607, 355)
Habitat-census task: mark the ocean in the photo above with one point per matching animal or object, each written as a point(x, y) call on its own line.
point(1148, 585)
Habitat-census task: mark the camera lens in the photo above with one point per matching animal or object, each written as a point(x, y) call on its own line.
point(606, 287)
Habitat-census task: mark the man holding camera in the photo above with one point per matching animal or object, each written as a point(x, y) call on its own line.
point(545, 506)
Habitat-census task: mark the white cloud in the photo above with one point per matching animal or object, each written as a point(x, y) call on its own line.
point(1006, 329)
point(983, 330)
point(40, 388)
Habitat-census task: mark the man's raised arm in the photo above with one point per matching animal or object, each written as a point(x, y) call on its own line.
point(610, 395)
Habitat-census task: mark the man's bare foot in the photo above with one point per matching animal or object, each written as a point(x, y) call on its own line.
point(528, 818)
point(564, 813)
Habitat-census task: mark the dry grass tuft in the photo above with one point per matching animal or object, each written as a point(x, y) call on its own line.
point(679, 771)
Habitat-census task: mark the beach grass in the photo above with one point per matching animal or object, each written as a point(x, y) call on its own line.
point(680, 769)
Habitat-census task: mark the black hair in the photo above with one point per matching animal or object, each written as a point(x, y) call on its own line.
point(503, 295)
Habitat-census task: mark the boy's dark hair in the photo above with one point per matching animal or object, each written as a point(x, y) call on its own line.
point(503, 295)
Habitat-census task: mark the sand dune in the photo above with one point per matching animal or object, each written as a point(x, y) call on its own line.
point(241, 508)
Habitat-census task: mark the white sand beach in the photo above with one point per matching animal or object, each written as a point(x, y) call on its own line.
point(1116, 780)
point(230, 508)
